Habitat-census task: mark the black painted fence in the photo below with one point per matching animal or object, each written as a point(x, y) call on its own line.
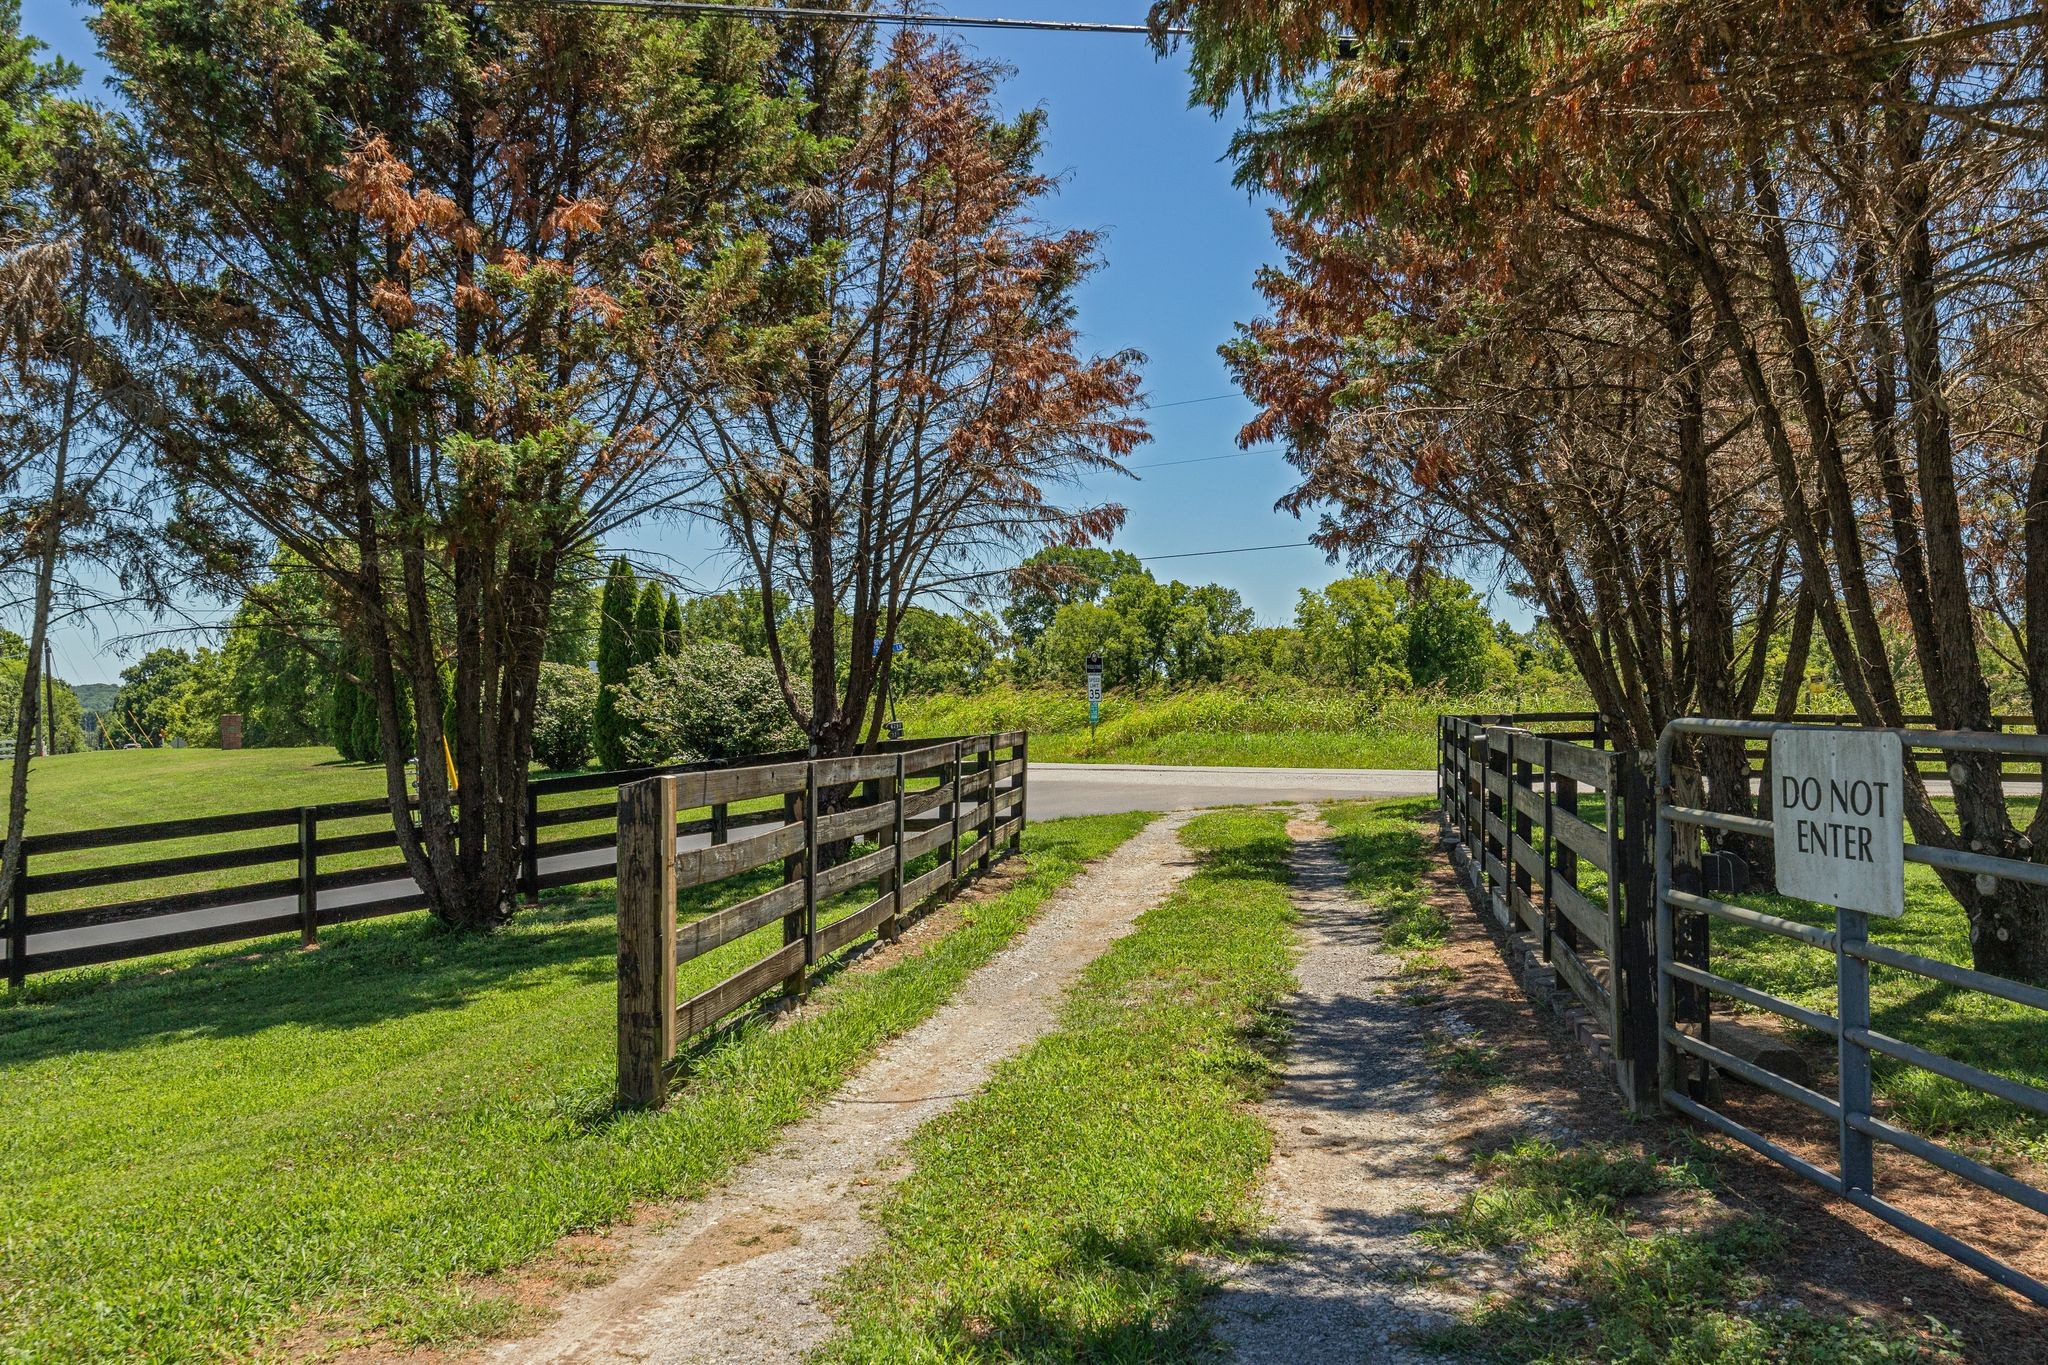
point(88, 897)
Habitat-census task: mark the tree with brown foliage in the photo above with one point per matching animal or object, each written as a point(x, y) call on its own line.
point(1803, 243)
point(918, 390)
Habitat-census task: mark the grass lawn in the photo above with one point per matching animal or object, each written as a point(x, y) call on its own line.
point(135, 786)
point(1054, 1216)
point(139, 786)
point(1279, 726)
point(1982, 1030)
point(201, 1160)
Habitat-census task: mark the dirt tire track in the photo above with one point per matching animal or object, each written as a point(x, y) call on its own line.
point(737, 1276)
point(1358, 1132)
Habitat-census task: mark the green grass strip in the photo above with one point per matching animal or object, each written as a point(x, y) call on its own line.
point(198, 1162)
point(1053, 1216)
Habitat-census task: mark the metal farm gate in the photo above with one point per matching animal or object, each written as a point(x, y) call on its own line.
point(1686, 1048)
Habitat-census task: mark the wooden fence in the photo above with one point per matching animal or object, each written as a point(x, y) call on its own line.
point(1556, 837)
point(962, 800)
point(94, 896)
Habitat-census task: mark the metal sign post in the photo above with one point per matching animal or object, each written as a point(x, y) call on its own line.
point(1094, 695)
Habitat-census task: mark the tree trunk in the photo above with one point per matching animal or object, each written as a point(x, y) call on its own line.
point(26, 710)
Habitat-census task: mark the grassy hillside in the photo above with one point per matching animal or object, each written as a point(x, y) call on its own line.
point(1278, 726)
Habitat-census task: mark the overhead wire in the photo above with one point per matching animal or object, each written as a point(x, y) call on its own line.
point(900, 19)
point(1241, 550)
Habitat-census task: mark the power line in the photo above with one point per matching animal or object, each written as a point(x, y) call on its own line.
point(1189, 402)
point(1242, 550)
point(1200, 459)
point(848, 16)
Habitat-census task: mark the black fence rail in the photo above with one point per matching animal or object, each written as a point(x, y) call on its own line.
point(1595, 730)
point(836, 826)
point(1553, 837)
point(88, 897)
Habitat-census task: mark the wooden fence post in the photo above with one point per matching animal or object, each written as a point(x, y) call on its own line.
point(529, 851)
point(1475, 808)
point(1564, 861)
point(721, 823)
point(647, 940)
point(17, 927)
point(1499, 897)
point(1549, 921)
point(801, 866)
point(985, 828)
point(891, 928)
point(309, 876)
point(1447, 779)
point(810, 868)
point(954, 856)
point(1522, 830)
point(1023, 756)
point(1633, 978)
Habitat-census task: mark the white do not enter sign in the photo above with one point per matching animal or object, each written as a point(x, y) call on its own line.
point(1837, 818)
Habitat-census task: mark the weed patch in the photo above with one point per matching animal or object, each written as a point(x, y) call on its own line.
point(1614, 1291)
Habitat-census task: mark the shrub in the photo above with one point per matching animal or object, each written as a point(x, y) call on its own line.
point(709, 701)
point(563, 709)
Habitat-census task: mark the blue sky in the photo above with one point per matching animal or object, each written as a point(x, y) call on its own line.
point(1182, 245)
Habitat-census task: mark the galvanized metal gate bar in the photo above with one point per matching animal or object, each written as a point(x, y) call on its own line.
point(1857, 1129)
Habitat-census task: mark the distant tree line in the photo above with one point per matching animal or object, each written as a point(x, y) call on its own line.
point(1370, 633)
point(636, 674)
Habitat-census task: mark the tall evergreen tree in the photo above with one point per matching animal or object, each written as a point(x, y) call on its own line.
point(614, 662)
point(672, 629)
point(649, 620)
point(423, 264)
point(341, 719)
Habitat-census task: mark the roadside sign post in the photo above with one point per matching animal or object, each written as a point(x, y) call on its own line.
point(1839, 836)
point(1094, 695)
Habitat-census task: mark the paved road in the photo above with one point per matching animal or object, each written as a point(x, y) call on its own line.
point(1061, 789)
point(1057, 790)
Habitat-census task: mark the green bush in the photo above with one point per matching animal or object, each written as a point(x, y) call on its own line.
point(563, 709)
point(709, 701)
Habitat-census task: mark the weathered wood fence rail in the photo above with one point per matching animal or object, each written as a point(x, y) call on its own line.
point(96, 896)
point(1556, 841)
point(961, 800)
